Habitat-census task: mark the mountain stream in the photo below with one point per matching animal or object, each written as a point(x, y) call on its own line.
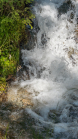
point(52, 66)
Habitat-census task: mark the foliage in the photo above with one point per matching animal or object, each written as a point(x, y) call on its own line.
point(2, 85)
point(14, 16)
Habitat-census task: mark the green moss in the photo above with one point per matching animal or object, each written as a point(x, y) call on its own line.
point(14, 15)
point(2, 84)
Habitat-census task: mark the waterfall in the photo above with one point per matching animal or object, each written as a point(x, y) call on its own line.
point(53, 68)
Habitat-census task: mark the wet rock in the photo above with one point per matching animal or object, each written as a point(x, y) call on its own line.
point(10, 78)
point(35, 26)
point(32, 36)
point(75, 103)
point(23, 73)
point(12, 96)
point(72, 53)
point(73, 112)
point(19, 97)
point(27, 102)
point(3, 97)
point(15, 115)
point(2, 132)
point(4, 114)
point(43, 39)
point(74, 95)
point(54, 116)
point(64, 8)
point(69, 114)
point(28, 45)
point(76, 36)
point(0, 99)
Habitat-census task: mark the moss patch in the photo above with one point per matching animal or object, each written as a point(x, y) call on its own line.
point(14, 16)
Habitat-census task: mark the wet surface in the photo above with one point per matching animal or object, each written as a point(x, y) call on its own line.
point(44, 94)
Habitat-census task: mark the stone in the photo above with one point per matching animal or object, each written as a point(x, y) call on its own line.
point(65, 7)
point(14, 116)
point(26, 102)
point(0, 99)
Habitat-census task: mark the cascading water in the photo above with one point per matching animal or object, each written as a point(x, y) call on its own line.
point(53, 69)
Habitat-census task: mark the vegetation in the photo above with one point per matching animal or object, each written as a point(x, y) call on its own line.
point(14, 16)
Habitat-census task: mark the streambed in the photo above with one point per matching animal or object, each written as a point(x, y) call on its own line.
point(52, 70)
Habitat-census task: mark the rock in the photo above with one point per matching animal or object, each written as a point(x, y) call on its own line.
point(3, 97)
point(2, 132)
point(43, 39)
point(20, 97)
point(32, 36)
point(15, 116)
point(64, 8)
point(26, 102)
point(12, 96)
point(53, 115)
point(0, 99)
point(10, 78)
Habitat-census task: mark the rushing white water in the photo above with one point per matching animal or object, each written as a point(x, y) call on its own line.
point(53, 69)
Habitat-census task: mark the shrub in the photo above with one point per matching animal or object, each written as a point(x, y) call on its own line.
point(14, 15)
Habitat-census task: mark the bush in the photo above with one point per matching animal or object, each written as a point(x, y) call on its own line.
point(14, 15)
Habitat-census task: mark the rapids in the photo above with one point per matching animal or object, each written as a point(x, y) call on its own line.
point(53, 68)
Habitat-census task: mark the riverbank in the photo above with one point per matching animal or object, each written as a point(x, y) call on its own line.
point(13, 30)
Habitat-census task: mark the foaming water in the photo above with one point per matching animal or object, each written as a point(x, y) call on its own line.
point(53, 69)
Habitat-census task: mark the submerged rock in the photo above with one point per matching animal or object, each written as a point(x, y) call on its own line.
point(65, 7)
